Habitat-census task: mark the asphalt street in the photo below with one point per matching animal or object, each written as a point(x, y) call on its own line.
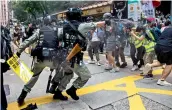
point(124, 90)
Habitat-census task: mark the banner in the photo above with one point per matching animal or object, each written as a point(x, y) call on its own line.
point(134, 9)
point(94, 11)
point(148, 9)
point(117, 5)
point(20, 68)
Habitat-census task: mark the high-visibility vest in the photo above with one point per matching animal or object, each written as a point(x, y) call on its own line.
point(138, 43)
point(149, 44)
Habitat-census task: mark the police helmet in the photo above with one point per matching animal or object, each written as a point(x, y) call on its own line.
point(89, 18)
point(47, 21)
point(107, 16)
point(74, 14)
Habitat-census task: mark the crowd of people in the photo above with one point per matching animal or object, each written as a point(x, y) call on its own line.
point(150, 46)
point(142, 39)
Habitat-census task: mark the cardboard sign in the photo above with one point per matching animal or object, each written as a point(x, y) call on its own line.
point(20, 68)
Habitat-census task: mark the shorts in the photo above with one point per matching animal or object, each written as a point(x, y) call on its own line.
point(149, 57)
point(111, 44)
point(111, 47)
point(163, 57)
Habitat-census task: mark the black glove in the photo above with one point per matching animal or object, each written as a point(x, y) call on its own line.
point(18, 54)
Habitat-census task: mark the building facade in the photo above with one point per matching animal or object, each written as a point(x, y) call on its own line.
point(4, 17)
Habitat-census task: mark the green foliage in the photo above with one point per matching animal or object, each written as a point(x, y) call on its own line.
point(32, 8)
point(26, 10)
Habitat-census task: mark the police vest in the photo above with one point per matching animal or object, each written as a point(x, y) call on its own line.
point(149, 44)
point(69, 34)
point(50, 39)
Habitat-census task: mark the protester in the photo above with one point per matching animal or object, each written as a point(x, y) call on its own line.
point(163, 51)
point(119, 52)
point(94, 45)
point(101, 35)
point(29, 33)
point(16, 35)
point(138, 37)
point(166, 24)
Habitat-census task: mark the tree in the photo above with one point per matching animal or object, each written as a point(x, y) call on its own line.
point(19, 13)
point(23, 9)
point(33, 8)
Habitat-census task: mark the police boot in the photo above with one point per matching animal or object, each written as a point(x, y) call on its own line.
point(58, 95)
point(21, 98)
point(72, 93)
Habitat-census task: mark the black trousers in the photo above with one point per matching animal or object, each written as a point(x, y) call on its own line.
point(137, 57)
point(101, 46)
point(3, 96)
point(120, 53)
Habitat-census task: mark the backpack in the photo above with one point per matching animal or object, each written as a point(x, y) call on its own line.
point(100, 34)
point(6, 51)
point(50, 39)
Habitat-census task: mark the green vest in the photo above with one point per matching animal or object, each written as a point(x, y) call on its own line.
point(149, 44)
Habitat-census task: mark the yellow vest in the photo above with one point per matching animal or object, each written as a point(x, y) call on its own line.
point(138, 43)
point(149, 44)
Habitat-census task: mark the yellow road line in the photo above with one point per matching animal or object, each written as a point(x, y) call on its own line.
point(110, 85)
point(155, 91)
point(136, 100)
point(136, 103)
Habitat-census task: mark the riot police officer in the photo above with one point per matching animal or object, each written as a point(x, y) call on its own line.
point(73, 18)
point(43, 54)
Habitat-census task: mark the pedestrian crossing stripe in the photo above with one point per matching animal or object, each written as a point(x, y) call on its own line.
point(20, 68)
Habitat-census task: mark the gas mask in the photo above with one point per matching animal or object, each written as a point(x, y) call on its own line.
point(107, 22)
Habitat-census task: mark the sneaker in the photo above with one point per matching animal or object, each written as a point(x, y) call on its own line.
point(98, 63)
point(135, 67)
point(141, 74)
point(91, 62)
point(163, 83)
point(108, 67)
point(123, 65)
point(141, 68)
point(147, 69)
point(114, 70)
point(148, 76)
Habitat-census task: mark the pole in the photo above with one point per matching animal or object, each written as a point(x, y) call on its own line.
point(171, 12)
